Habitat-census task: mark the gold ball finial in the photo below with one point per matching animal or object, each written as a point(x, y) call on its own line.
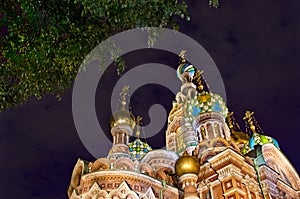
point(182, 56)
point(187, 164)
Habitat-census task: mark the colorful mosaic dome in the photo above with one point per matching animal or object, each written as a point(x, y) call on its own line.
point(138, 149)
point(205, 102)
point(258, 139)
point(185, 70)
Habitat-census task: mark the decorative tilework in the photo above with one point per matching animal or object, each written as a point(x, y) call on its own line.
point(205, 102)
point(138, 149)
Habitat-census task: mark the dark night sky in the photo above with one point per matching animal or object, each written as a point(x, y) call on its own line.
point(255, 45)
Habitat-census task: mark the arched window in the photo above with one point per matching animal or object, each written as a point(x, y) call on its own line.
point(203, 132)
point(209, 130)
point(217, 129)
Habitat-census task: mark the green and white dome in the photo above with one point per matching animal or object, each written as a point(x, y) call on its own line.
point(205, 102)
point(138, 149)
point(258, 139)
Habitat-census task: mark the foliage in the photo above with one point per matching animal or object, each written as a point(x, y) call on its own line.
point(43, 42)
point(213, 3)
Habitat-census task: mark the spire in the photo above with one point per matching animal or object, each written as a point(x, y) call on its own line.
point(252, 126)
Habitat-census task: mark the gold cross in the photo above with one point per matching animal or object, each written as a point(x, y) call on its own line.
point(124, 93)
point(123, 96)
point(249, 118)
point(138, 123)
point(138, 120)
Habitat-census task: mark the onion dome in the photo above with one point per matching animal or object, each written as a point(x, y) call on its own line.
point(258, 139)
point(138, 149)
point(185, 70)
point(123, 116)
point(253, 128)
point(239, 137)
point(205, 102)
point(187, 164)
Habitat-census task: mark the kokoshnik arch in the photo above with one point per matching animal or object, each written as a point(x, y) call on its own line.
point(207, 155)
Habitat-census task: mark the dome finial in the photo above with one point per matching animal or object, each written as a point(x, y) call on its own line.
point(199, 81)
point(182, 56)
point(252, 126)
point(232, 123)
point(230, 120)
point(138, 124)
point(123, 96)
point(249, 119)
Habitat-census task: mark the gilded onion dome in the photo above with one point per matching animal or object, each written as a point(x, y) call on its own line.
point(239, 137)
point(123, 116)
point(187, 164)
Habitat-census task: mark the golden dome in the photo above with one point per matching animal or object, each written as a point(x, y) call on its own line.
point(187, 164)
point(122, 117)
point(239, 137)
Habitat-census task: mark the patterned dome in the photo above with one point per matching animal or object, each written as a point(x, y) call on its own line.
point(138, 149)
point(185, 70)
point(258, 139)
point(205, 102)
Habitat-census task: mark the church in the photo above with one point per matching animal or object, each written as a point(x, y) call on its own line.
point(207, 155)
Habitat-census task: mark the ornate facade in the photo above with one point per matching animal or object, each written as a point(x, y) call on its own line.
point(206, 156)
